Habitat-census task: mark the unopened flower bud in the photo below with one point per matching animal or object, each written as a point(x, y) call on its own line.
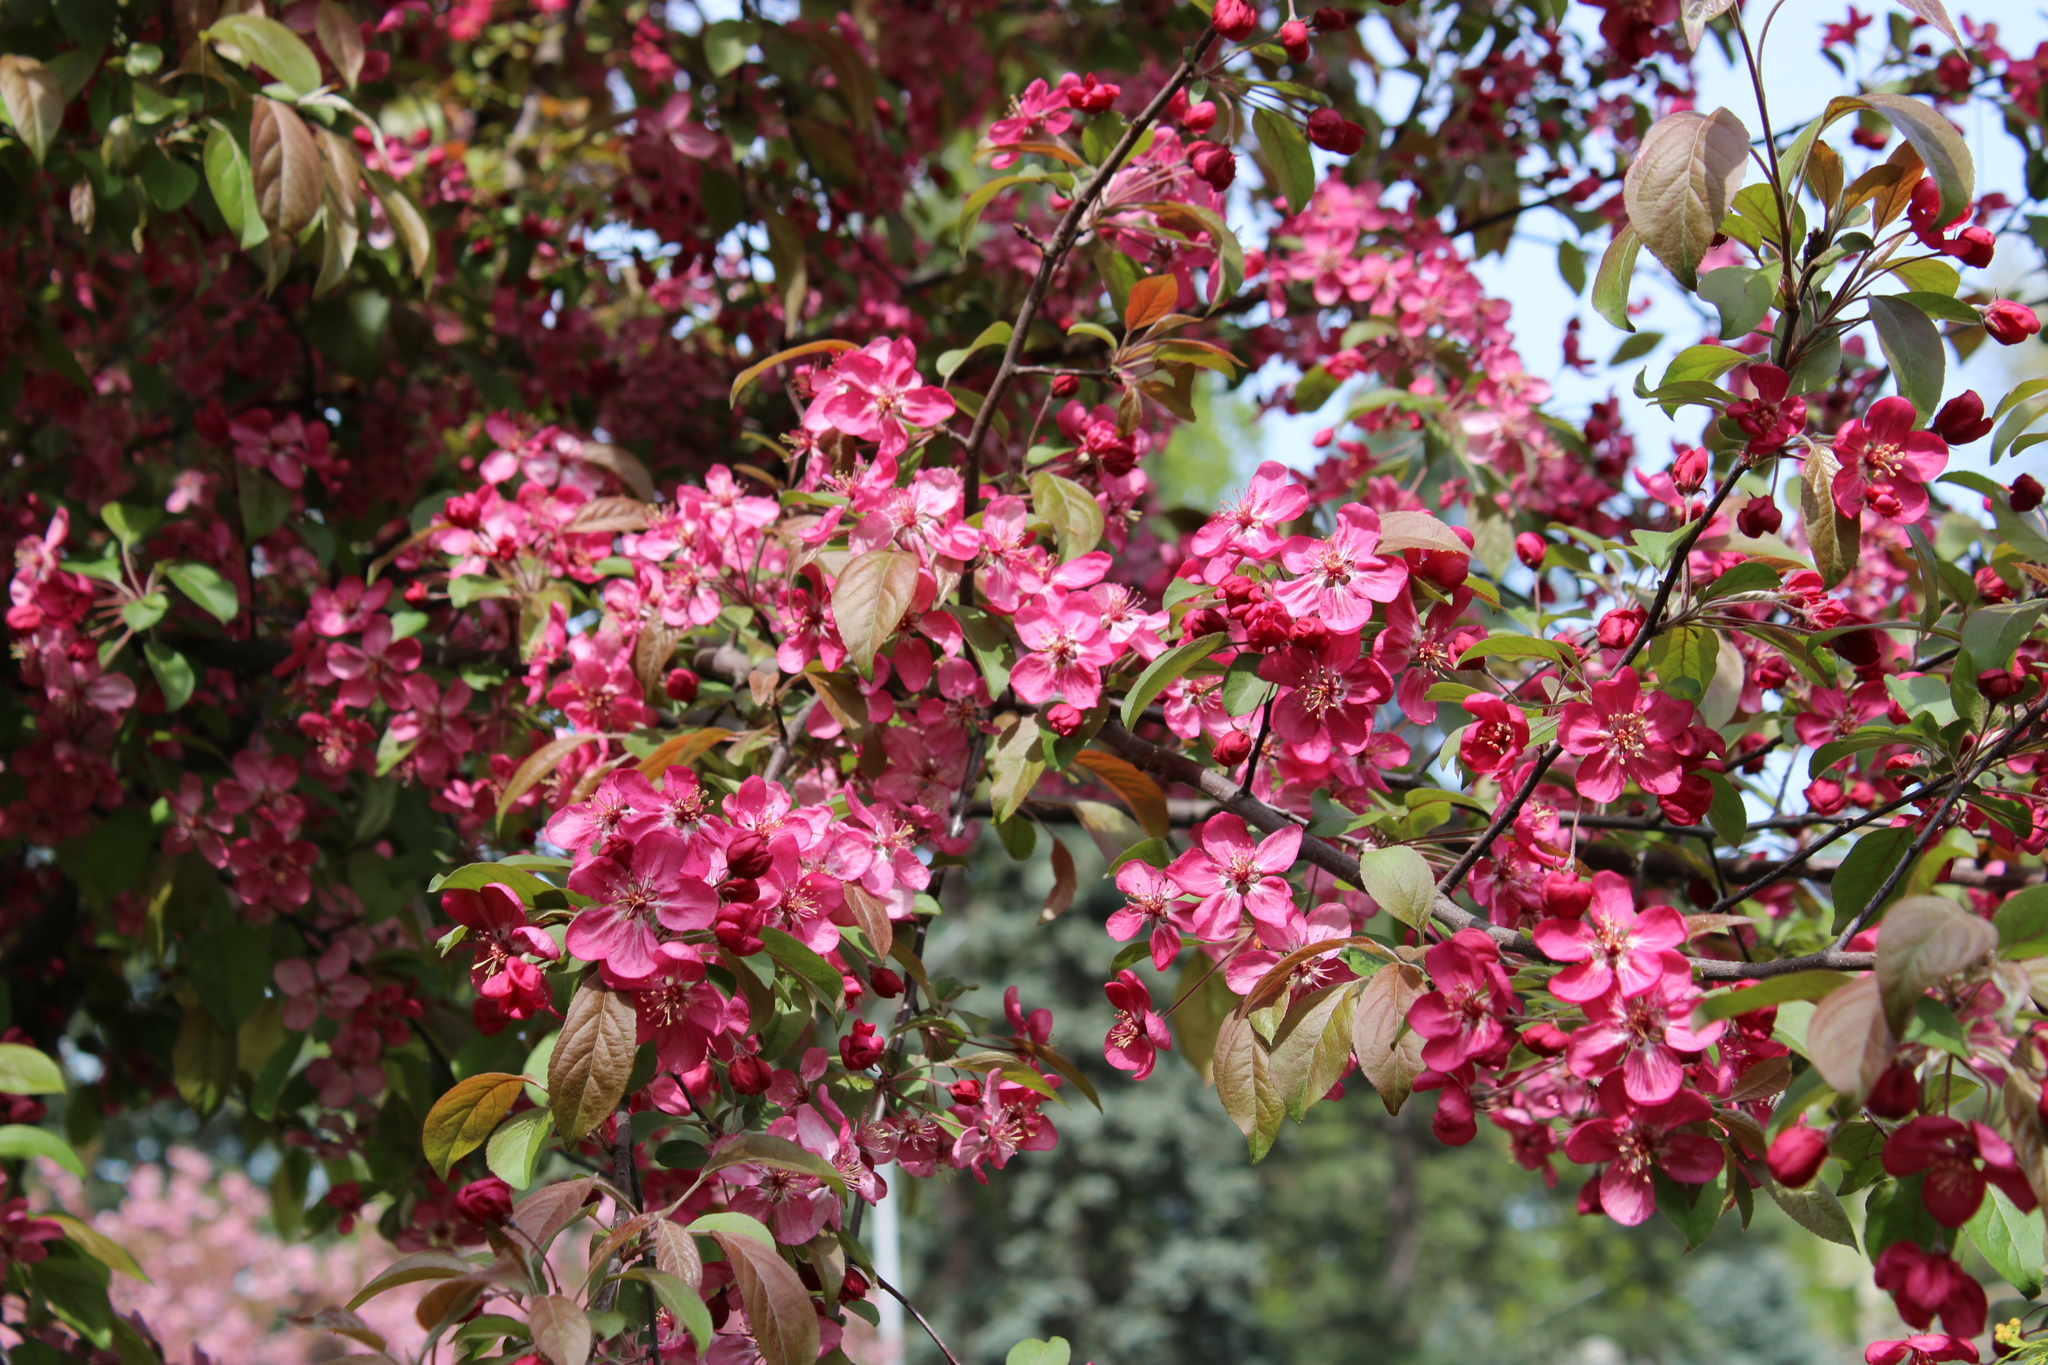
point(1065, 386)
point(1233, 748)
point(2010, 323)
point(1530, 548)
point(2001, 684)
point(1237, 588)
point(1234, 19)
point(854, 1287)
point(861, 1048)
point(1311, 632)
point(1439, 568)
point(1824, 796)
point(1618, 627)
point(1062, 719)
point(1991, 587)
point(748, 856)
point(2025, 494)
point(680, 685)
point(886, 983)
point(1565, 896)
point(1294, 38)
point(1200, 118)
point(1974, 246)
point(1896, 1094)
point(1759, 517)
point(1961, 419)
point(1796, 1156)
point(1689, 471)
point(742, 889)
point(1545, 1039)
point(1215, 164)
point(1332, 132)
point(965, 1092)
point(1207, 621)
point(1268, 627)
point(1328, 20)
point(485, 1201)
point(749, 1075)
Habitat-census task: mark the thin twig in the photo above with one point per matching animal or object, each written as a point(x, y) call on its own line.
point(911, 1308)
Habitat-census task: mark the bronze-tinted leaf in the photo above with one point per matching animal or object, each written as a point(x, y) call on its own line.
point(1680, 185)
point(33, 99)
point(1388, 1051)
point(561, 1333)
point(593, 1058)
point(1925, 940)
point(287, 166)
point(341, 39)
point(1847, 1038)
point(463, 1118)
point(777, 1305)
point(869, 600)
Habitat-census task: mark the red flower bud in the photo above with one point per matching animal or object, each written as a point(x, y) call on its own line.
point(744, 890)
point(1332, 132)
point(1992, 588)
point(748, 856)
point(1961, 419)
point(1896, 1094)
point(886, 983)
point(1824, 796)
point(1618, 627)
point(1200, 118)
point(680, 685)
point(749, 1075)
point(1294, 38)
point(1796, 1156)
point(1689, 471)
point(2010, 323)
point(1065, 386)
point(1327, 20)
point(1268, 627)
point(1207, 621)
point(1759, 517)
point(1530, 548)
point(1233, 748)
point(966, 1092)
point(1439, 568)
point(1974, 246)
point(2025, 493)
point(2000, 684)
point(1545, 1039)
point(1234, 19)
point(861, 1049)
point(1237, 589)
point(1565, 896)
point(485, 1201)
point(1215, 164)
point(854, 1287)
point(1062, 719)
point(1311, 632)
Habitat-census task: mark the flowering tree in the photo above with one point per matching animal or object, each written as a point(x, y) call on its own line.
point(542, 538)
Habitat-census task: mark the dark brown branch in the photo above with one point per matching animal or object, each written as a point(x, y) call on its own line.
point(911, 1308)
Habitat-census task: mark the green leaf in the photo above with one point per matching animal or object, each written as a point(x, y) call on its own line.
point(255, 41)
point(1941, 147)
point(1167, 669)
point(1014, 765)
point(1702, 363)
point(19, 1141)
point(1895, 1212)
point(465, 1117)
point(1814, 1208)
point(174, 675)
point(995, 334)
point(1513, 647)
point(1750, 576)
point(26, 1071)
point(1772, 990)
point(2023, 920)
point(2009, 1239)
point(1400, 880)
point(206, 587)
point(32, 96)
point(1742, 295)
point(1692, 1209)
point(1942, 306)
point(231, 970)
point(1035, 1352)
point(726, 43)
point(1611, 283)
point(1913, 348)
point(970, 214)
point(170, 184)
point(1070, 510)
point(1992, 635)
point(1244, 691)
point(821, 976)
point(1865, 869)
point(1287, 154)
point(1571, 266)
point(1684, 658)
point(1636, 347)
point(1727, 814)
point(234, 187)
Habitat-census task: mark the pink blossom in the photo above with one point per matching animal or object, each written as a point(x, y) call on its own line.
point(874, 394)
point(1886, 464)
point(1327, 695)
point(1137, 1034)
point(1612, 948)
point(649, 884)
point(1634, 1140)
point(1155, 898)
point(1647, 1036)
point(1068, 651)
point(1248, 527)
point(1234, 876)
point(1340, 578)
point(1464, 1018)
point(1626, 737)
